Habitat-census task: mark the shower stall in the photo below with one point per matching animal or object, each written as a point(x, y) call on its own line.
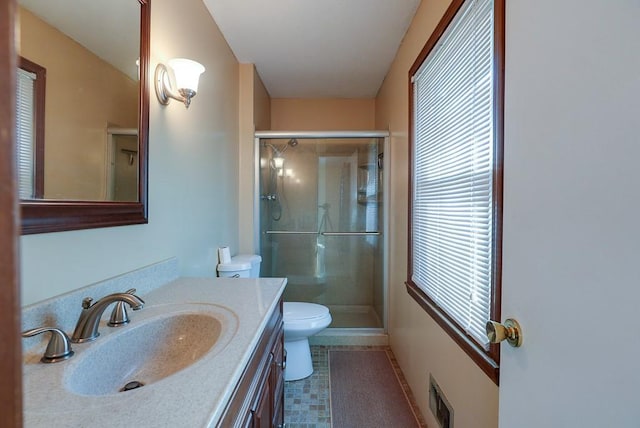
point(321, 203)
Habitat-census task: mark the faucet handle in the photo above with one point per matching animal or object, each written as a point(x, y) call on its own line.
point(86, 302)
point(59, 347)
point(119, 316)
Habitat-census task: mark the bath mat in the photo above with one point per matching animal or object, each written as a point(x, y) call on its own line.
point(365, 391)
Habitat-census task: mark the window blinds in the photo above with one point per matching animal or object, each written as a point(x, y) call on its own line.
point(25, 133)
point(453, 170)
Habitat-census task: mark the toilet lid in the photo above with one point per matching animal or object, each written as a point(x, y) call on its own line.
point(303, 311)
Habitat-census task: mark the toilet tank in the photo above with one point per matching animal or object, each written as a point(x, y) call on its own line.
point(253, 260)
point(234, 269)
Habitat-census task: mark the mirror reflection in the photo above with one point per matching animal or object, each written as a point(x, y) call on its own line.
point(78, 138)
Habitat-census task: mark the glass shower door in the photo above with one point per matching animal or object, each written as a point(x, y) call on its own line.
point(320, 215)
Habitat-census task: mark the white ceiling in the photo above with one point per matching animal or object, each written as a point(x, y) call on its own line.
point(316, 48)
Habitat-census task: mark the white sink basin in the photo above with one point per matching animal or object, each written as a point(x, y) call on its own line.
point(149, 350)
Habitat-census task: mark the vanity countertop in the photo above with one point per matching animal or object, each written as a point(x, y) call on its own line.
point(193, 397)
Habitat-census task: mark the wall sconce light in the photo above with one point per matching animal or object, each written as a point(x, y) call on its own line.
point(186, 72)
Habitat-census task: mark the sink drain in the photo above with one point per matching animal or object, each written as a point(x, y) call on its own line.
point(131, 385)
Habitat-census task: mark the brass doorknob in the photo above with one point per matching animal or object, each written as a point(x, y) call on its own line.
point(510, 331)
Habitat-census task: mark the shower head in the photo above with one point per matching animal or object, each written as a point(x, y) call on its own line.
point(291, 143)
point(277, 159)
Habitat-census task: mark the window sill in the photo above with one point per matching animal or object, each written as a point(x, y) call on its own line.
point(488, 361)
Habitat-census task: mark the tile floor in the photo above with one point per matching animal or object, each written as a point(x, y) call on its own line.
point(306, 401)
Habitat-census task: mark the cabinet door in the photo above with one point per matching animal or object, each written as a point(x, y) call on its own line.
point(278, 417)
point(277, 380)
point(262, 412)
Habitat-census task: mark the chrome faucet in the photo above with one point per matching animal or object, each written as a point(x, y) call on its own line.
point(119, 316)
point(87, 327)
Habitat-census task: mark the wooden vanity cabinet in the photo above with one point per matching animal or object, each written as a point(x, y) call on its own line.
point(258, 398)
point(277, 380)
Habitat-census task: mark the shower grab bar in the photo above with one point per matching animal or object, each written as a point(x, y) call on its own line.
point(294, 232)
point(349, 233)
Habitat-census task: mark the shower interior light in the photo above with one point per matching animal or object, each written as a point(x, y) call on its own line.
point(288, 172)
point(278, 162)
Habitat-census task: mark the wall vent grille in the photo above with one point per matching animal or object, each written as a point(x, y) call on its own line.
point(440, 407)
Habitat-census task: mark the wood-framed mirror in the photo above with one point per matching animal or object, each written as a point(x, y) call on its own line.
point(81, 183)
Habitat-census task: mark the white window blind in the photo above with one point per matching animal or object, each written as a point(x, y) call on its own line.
point(452, 212)
point(25, 133)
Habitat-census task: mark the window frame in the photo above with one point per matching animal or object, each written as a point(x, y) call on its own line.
point(488, 360)
point(39, 92)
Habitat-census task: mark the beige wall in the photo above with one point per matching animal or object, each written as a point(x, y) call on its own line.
point(84, 94)
point(255, 115)
point(193, 184)
point(419, 344)
point(261, 104)
point(332, 114)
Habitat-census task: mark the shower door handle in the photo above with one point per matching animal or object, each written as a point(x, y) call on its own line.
point(349, 233)
point(295, 232)
point(289, 232)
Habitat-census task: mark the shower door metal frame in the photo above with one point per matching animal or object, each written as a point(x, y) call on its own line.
point(271, 135)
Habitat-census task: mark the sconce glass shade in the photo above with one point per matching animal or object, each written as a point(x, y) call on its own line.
point(187, 74)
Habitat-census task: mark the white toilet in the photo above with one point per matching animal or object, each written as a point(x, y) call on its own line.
point(301, 320)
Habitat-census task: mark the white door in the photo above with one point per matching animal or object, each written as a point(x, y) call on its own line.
point(572, 214)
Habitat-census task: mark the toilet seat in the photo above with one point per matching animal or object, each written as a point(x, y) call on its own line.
point(300, 311)
point(304, 319)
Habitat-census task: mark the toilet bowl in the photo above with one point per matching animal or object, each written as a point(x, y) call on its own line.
point(300, 319)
